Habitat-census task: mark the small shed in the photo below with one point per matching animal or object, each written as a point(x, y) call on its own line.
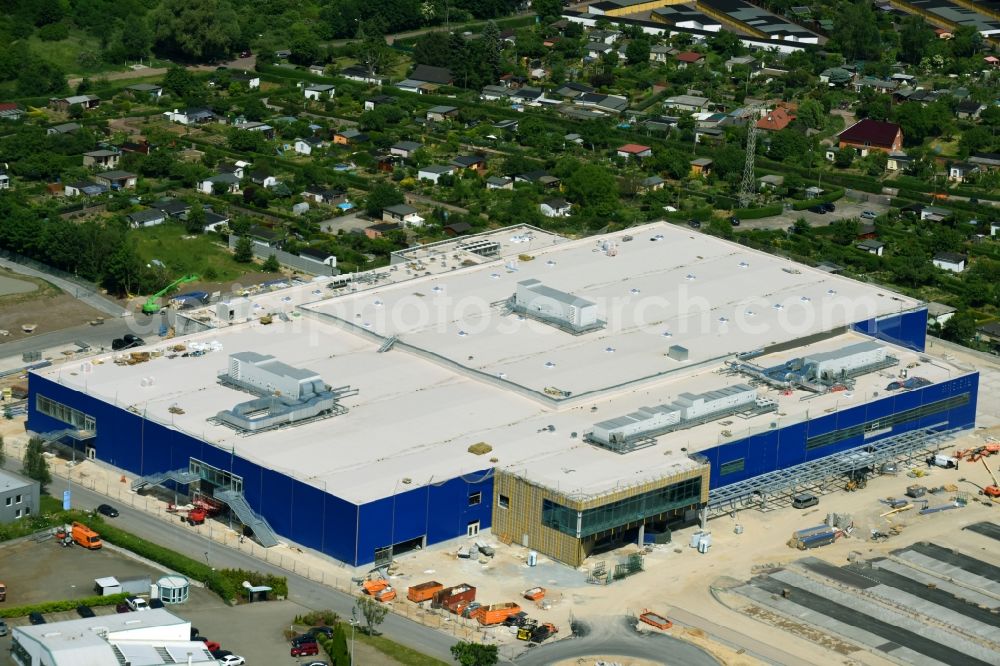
point(173, 589)
point(256, 592)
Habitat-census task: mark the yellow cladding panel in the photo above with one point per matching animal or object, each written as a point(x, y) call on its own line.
point(517, 512)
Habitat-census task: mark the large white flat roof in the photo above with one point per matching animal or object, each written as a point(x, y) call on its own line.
point(415, 415)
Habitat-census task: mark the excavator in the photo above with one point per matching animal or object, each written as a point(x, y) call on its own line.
point(152, 304)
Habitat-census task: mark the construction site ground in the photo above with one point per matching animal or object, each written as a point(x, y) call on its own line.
point(44, 306)
point(677, 581)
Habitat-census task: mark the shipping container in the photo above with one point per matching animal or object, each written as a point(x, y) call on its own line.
point(450, 596)
point(496, 613)
point(424, 591)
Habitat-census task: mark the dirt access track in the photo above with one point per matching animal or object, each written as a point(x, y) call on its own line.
point(147, 72)
point(46, 306)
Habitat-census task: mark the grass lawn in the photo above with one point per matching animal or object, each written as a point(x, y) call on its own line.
point(49, 504)
point(64, 53)
point(393, 650)
point(184, 255)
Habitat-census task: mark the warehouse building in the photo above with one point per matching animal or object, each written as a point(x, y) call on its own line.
point(450, 412)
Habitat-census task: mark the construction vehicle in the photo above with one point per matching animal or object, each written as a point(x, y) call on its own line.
point(423, 591)
point(152, 304)
point(543, 631)
point(994, 490)
point(84, 536)
point(526, 629)
point(655, 620)
point(204, 508)
point(496, 613)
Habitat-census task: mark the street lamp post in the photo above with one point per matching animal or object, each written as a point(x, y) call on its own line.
point(354, 624)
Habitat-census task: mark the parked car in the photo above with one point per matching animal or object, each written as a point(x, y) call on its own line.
point(85, 611)
point(137, 604)
point(3, 628)
point(694, 224)
point(804, 501)
point(122, 607)
point(316, 631)
point(232, 660)
point(828, 207)
point(305, 650)
point(36, 618)
point(107, 510)
point(735, 221)
point(219, 654)
point(869, 215)
point(818, 208)
point(212, 646)
point(246, 54)
point(155, 603)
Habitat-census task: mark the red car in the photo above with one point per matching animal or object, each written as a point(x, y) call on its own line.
point(305, 649)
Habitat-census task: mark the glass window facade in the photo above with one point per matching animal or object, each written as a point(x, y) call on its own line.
point(475, 498)
point(621, 512)
point(64, 413)
point(885, 422)
point(217, 477)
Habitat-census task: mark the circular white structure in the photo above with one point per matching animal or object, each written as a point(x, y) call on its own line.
point(173, 589)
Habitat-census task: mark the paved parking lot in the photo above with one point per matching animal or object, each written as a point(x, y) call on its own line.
point(846, 208)
point(45, 571)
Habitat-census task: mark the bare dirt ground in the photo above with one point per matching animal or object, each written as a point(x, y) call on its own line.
point(46, 306)
point(239, 63)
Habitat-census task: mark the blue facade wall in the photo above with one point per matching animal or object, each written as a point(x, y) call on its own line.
point(784, 447)
point(311, 516)
point(906, 329)
point(317, 518)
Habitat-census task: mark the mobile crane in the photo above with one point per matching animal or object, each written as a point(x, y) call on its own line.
point(994, 490)
point(152, 304)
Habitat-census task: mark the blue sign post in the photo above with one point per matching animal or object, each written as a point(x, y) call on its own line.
point(66, 500)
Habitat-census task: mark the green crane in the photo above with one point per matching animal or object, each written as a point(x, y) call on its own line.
point(152, 305)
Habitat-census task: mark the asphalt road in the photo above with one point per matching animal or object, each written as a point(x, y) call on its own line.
point(845, 209)
point(97, 337)
point(300, 590)
point(616, 638)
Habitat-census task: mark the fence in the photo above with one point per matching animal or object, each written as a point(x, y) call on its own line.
point(262, 252)
point(329, 574)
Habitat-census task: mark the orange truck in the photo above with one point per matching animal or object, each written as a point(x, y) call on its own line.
point(86, 537)
point(496, 613)
point(424, 591)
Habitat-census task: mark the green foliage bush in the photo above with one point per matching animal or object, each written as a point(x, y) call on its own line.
point(59, 606)
point(829, 197)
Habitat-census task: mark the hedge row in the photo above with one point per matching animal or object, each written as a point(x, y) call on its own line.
point(758, 213)
point(227, 583)
point(830, 197)
point(64, 605)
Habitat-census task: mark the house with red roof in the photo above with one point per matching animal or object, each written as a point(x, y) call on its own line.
point(635, 150)
point(867, 135)
point(10, 111)
point(776, 120)
point(686, 58)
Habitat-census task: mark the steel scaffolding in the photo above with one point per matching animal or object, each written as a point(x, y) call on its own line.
point(774, 489)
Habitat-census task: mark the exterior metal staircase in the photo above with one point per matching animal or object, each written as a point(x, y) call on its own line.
point(387, 345)
point(239, 506)
point(181, 477)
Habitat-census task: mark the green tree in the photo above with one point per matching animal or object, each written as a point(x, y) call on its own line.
point(960, 327)
point(844, 158)
point(966, 42)
point(593, 187)
point(811, 113)
point(39, 77)
point(975, 139)
point(195, 221)
point(914, 38)
point(243, 252)
point(245, 141)
point(855, 31)
point(123, 270)
point(373, 611)
point(382, 196)
point(304, 47)
point(676, 163)
point(431, 48)
point(271, 264)
point(474, 654)
point(547, 9)
point(35, 466)
point(637, 51)
point(339, 653)
point(205, 30)
point(492, 48)
point(179, 81)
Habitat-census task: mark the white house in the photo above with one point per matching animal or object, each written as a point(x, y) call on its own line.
point(250, 79)
point(307, 145)
point(147, 218)
point(318, 256)
point(405, 149)
point(434, 172)
point(230, 180)
point(959, 171)
point(499, 183)
point(950, 261)
point(189, 116)
point(555, 208)
point(4, 181)
point(402, 214)
point(318, 91)
point(871, 246)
